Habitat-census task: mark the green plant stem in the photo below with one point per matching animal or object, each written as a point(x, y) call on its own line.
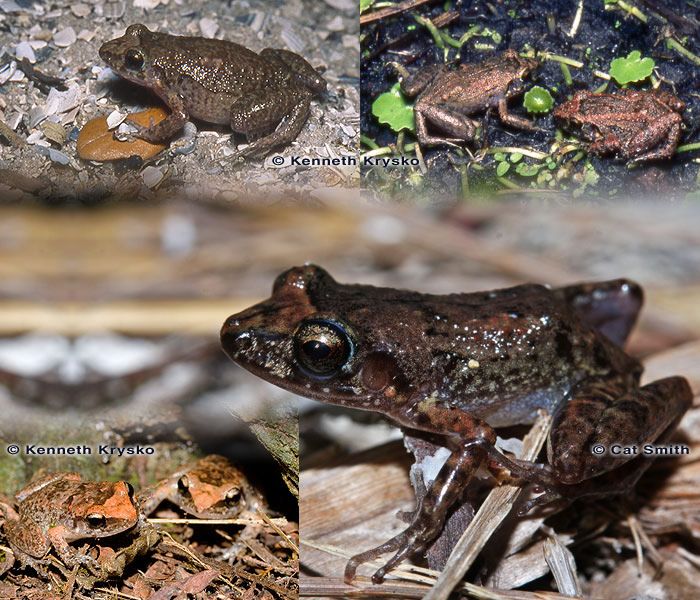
point(688, 147)
point(577, 64)
point(368, 141)
point(681, 49)
point(628, 8)
point(434, 31)
point(566, 73)
point(508, 183)
point(515, 150)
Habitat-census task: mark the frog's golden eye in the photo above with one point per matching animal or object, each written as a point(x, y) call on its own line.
point(96, 520)
point(134, 59)
point(322, 347)
point(232, 495)
point(183, 483)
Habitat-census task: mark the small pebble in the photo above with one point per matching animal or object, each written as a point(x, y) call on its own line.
point(25, 50)
point(115, 118)
point(152, 176)
point(80, 10)
point(208, 27)
point(86, 35)
point(336, 24)
point(54, 132)
point(59, 157)
point(112, 10)
point(64, 38)
point(148, 4)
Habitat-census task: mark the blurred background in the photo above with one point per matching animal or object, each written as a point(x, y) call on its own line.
point(110, 317)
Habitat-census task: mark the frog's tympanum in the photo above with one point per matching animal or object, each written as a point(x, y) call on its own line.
point(634, 125)
point(212, 488)
point(265, 96)
point(460, 365)
point(446, 98)
point(61, 508)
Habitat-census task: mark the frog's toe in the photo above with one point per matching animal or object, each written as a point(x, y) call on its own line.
point(547, 499)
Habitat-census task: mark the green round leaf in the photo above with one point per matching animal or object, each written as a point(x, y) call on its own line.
point(538, 100)
point(502, 168)
point(391, 109)
point(632, 68)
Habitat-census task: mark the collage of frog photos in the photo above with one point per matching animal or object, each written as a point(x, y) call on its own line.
point(349, 299)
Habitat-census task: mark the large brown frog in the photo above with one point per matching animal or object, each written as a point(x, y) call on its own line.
point(460, 365)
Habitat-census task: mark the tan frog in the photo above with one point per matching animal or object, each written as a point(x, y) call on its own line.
point(61, 508)
point(211, 488)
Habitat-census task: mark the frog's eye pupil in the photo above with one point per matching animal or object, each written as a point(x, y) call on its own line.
point(183, 483)
point(134, 60)
point(316, 349)
point(96, 520)
point(322, 347)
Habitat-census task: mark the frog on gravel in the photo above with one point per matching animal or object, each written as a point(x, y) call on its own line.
point(265, 96)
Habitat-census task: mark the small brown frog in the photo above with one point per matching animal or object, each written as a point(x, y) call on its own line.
point(60, 508)
point(634, 125)
point(265, 96)
point(212, 488)
point(447, 98)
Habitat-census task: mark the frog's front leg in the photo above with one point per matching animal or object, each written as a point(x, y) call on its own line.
point(282, 112)
point(469, 439)
point(414, 84)
point(70, 556)
point(168, 127)
point(513, 120)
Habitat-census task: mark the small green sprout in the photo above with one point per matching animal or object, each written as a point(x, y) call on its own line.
point(631, 69)
point(538, 100)
point(365, 5)
point(391, 109)
point(525, 170)
point(502, 168)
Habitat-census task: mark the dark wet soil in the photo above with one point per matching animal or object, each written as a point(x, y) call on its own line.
point(543, 26)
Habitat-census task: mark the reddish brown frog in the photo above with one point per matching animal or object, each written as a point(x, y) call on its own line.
point(61, 508)
point(446, 98)
point(460, 365)
point(212, 488)
point(634, 125)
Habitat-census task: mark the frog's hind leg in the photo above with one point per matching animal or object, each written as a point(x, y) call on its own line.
point(604, 415)
point(283, 112)
point(660, 141)
point(610, 307)
point(301, 70)
point(600, 415)
point(458, 126)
